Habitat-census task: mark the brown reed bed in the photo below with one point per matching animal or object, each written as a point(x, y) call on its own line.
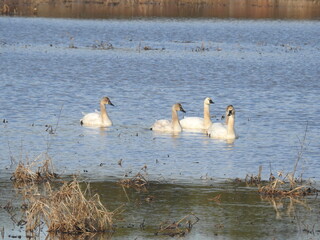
point(62, 206)
point(279, 189)
point(68, 210)
point(254, 180)
point(138, 182)
point(285, 185)
point(179, 228)
point(37, 171)
point(280, 186)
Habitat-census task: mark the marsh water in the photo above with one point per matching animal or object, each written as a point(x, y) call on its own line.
point(53, 70)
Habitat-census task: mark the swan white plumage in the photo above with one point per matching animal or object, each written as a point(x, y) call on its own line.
point(224, 131)
point(167, 125)
point(198, 123)
point(98, 119)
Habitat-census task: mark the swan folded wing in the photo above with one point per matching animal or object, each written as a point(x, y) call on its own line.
point(95, 111)
point(192, 123)
point(91, 119)
point(218, 130)
point(162, 126)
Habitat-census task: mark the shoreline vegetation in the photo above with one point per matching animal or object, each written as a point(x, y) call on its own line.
point(69, 207)
point(60, 206)
point(246, 9)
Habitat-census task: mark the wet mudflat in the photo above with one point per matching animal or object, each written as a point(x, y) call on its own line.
point(55, 69)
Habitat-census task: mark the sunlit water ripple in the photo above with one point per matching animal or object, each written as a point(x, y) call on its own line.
point(268, 70)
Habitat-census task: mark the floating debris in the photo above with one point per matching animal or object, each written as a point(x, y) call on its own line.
point(180, 228)
point(120, 162)
point(200, 49)
point(146, 48)
point(102, 45)
point(216, 199)
point(149, 199)
point(137, 182)
point(254, 180)
point(49, 129)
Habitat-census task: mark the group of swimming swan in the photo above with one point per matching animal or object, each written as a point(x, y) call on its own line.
point(214, 130)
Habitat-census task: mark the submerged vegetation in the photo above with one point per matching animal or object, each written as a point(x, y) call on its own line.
point(36, 171)
point(179, 228)
point(280, 188)
point(102, 45)
point(138, 182)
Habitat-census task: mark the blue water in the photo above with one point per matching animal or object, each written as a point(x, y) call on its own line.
point(52, 70)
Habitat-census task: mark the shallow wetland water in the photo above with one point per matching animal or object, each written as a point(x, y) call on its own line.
point(52, 70)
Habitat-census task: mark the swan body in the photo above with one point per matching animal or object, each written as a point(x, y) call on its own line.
point(167, 125)
point(98, 119)
point(226, 130)
point(198, 123)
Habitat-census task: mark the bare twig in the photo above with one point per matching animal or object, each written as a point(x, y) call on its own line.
point(302, 148)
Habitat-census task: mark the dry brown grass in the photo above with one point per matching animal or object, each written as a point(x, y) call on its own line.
point(68, 210)
point(254, 180)
point(216, 199)
point(180, 228)
point(279, 188)
point(138, 182)
point(37, 171)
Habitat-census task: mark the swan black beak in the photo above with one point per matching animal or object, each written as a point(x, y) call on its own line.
point(211, 102)
point(230, 113)
point(110, 103)
point(182, 110)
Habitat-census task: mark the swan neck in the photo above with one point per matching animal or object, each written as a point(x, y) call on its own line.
point(206, 116)
point(230, 123)
point(175, 120)
point(103, 111)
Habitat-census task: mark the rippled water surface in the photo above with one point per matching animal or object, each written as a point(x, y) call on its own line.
point(52, 70)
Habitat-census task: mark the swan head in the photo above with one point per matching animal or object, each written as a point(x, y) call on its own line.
point(178, 107)
point(230, 111)
point(106, 100)
point(208, 101)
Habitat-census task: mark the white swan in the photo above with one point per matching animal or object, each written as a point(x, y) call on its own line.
point(198, 123)
point(167, 125)
point(224, 131)
point(98, 119)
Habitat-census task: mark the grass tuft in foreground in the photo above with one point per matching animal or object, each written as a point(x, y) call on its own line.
point(69, 210)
